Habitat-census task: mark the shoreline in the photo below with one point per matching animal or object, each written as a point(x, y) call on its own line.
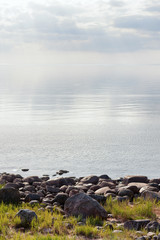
point(100, 206)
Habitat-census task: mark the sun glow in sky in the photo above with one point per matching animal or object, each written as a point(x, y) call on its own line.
point(78, 31)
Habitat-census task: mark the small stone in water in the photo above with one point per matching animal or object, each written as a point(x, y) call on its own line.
point(25, 169)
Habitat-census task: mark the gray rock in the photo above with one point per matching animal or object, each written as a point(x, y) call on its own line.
point(95, 187)
point(6, 177)
point(52, 189)
point(133, 188)
point(151, 195)
point(83, 205)
point(103, 191)
point(9, 195)
point(34, 202)
point(61, 198)
point(125, 192)
point(59, 182)
point(12, 185)
point(149, 188)
point(98, 198)
point(136, 224)
point(136, 184)
point(153, 226)
point(104, 176)
point(90, 179)
point(26, 216)
point(48, 200)
point(32, 196)
point(29, 188)
point(32, 179)
point(133, 178)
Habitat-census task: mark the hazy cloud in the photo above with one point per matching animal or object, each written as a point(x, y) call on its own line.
point(146, 23)
point(80, 25)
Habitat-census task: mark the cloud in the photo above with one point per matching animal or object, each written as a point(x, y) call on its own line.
point(116, 3)
point(144, 23)
point(68, 26)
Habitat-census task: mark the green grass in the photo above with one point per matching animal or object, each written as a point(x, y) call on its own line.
point(53, 225)
point(140, 209)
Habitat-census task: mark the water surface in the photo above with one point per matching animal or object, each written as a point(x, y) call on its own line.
point(88, 119)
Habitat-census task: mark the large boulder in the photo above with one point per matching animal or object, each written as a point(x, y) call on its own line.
point(32, 196)
point(59, 182)
point(26, 216)
point(136, 224)
point(6, 177)
point(153, 226)
point(133, 178)
point(151, 195)
point(9, 195)
point(90, 179)
point(83, 205)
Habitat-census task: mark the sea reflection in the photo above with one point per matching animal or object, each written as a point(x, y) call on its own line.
point(48, 109)
point(87, 119)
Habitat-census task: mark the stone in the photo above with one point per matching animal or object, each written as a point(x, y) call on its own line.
point(149, 188)
point(9, 195)
point(61, 198)
point(136, 184)
point(136, 224)
point(32, 179)
point(98, 198)
point(83, 205)
point(151, 195)
point(107, 184)
point(59, 182)
point(48, 200)
point(25, 169)
point(26, 216)
point(52, 189)
point(104, 176)
point(60, 172)
point(103, 191)
point(125, 192)
point(11, 185)
point(153, 226)
point(90, 179)
point(34, 202)
point(94, 187)
point(29, 188)
point(134, 178)
point(133, 188)
point(6, 177)
point(32, 196)
point(155, 180)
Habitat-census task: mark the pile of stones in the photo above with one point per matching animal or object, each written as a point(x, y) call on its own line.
point(81, 196)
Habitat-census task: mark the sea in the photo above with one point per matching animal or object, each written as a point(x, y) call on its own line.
point(89, 119)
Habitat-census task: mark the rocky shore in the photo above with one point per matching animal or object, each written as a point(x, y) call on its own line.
point(82, 196)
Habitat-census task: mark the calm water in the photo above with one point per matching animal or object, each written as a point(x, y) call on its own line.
point(88, 119)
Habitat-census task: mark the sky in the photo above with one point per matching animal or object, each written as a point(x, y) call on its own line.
point(79, 31)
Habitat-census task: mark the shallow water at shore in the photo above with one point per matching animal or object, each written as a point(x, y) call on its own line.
point(102, 122)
